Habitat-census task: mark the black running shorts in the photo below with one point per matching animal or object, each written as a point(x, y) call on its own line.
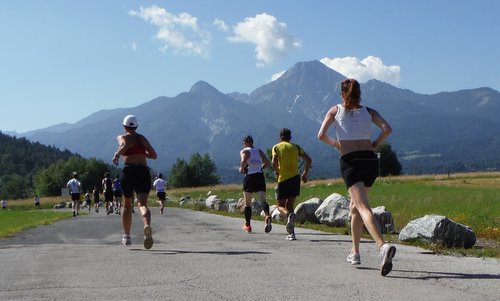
point(254, 182)
point(288, 188)
point(359, 166)
point(75, 196)
point(108, 196)
point(135, 178)
point(162, 195)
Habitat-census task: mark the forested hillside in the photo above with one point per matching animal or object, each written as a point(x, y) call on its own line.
point(20, 160)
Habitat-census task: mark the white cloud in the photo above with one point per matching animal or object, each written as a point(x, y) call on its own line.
point(221, 25)
point(269, 36)
point(178, 32)
point(277, 75)
point(369, 68)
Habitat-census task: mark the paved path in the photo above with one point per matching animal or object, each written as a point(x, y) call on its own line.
point(200, 256)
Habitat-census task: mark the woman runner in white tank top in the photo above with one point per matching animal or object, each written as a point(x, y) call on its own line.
point(358, 163)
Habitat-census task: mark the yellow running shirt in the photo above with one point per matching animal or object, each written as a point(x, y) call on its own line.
point(288, 159)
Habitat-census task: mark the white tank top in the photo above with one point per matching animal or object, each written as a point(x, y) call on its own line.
point(354, 124)
point(254, 161)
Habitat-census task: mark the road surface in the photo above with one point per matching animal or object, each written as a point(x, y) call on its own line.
point(201, 256)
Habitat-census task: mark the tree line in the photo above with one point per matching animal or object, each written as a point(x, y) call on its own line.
point(28, 168)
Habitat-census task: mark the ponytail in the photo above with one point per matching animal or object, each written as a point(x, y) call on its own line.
point(352, 93)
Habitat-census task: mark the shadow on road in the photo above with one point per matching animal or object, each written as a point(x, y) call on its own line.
point(175, 252)
point(426, 275)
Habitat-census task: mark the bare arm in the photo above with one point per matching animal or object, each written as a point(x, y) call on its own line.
point(265, 160)
point(150, 151)
point(122, 146)
point(323, 130)
point(276, 165)
point(244, 155)
point(383, 125)
point(308, 161)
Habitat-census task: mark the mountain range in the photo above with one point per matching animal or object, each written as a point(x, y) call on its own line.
point(436, 133)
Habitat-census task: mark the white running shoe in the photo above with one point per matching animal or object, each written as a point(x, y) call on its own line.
point(269, 226)
point(291, 237)
point(148, 237)
point(387, 252)
point(354, 258)
point(290, 224)
point(126, 240)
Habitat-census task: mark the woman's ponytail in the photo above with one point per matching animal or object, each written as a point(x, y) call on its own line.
point(352, 93)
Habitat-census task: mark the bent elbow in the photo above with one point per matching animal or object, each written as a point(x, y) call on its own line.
point(321, 136)
point(388, 130)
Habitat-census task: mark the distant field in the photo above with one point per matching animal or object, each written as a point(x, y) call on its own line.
point(472, 199)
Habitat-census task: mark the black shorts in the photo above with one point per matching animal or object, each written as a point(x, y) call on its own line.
point(117, 193)
point(162, 195)
point(288, 188)
point(254, 182)
point(135, 178)
point(88, 202)
point(108, 196)
point(360, 166)
point(75, 196)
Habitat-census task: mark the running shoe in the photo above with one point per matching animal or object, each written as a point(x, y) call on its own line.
point(148, 237)
point(291, 237)
point(126, 240)
point(268, 227)
point(387, 252)
point(354, 258)
point(290, 224)
point(247, 229)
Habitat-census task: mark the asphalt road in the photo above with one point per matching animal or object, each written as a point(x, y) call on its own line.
point(200, 256)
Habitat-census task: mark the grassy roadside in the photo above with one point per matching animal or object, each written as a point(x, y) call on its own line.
point(472, 199)
point(13, 221)
point(22, 214)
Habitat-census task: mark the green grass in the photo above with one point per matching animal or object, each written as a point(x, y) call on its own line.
point(16, 220)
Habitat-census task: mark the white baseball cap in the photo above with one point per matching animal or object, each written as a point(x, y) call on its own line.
point(130, 121)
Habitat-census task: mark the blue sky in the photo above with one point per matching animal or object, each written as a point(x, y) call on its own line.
point(60, 60)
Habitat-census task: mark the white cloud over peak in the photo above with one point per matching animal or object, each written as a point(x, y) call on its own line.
point(178, 32)
point(363, 70)
point(221, 25)
point(267, 34)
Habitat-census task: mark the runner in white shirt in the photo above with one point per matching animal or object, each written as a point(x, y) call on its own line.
point(75, 188)
point(160, 185)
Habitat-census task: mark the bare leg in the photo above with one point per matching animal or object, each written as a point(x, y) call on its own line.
point(359, 200)
point(162, 206)
point(356, 228)
point(282, 207)
point(142, 200)
point(127, 215)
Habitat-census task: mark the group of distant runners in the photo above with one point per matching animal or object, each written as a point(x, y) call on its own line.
point(111, 191)
point(358, 164)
